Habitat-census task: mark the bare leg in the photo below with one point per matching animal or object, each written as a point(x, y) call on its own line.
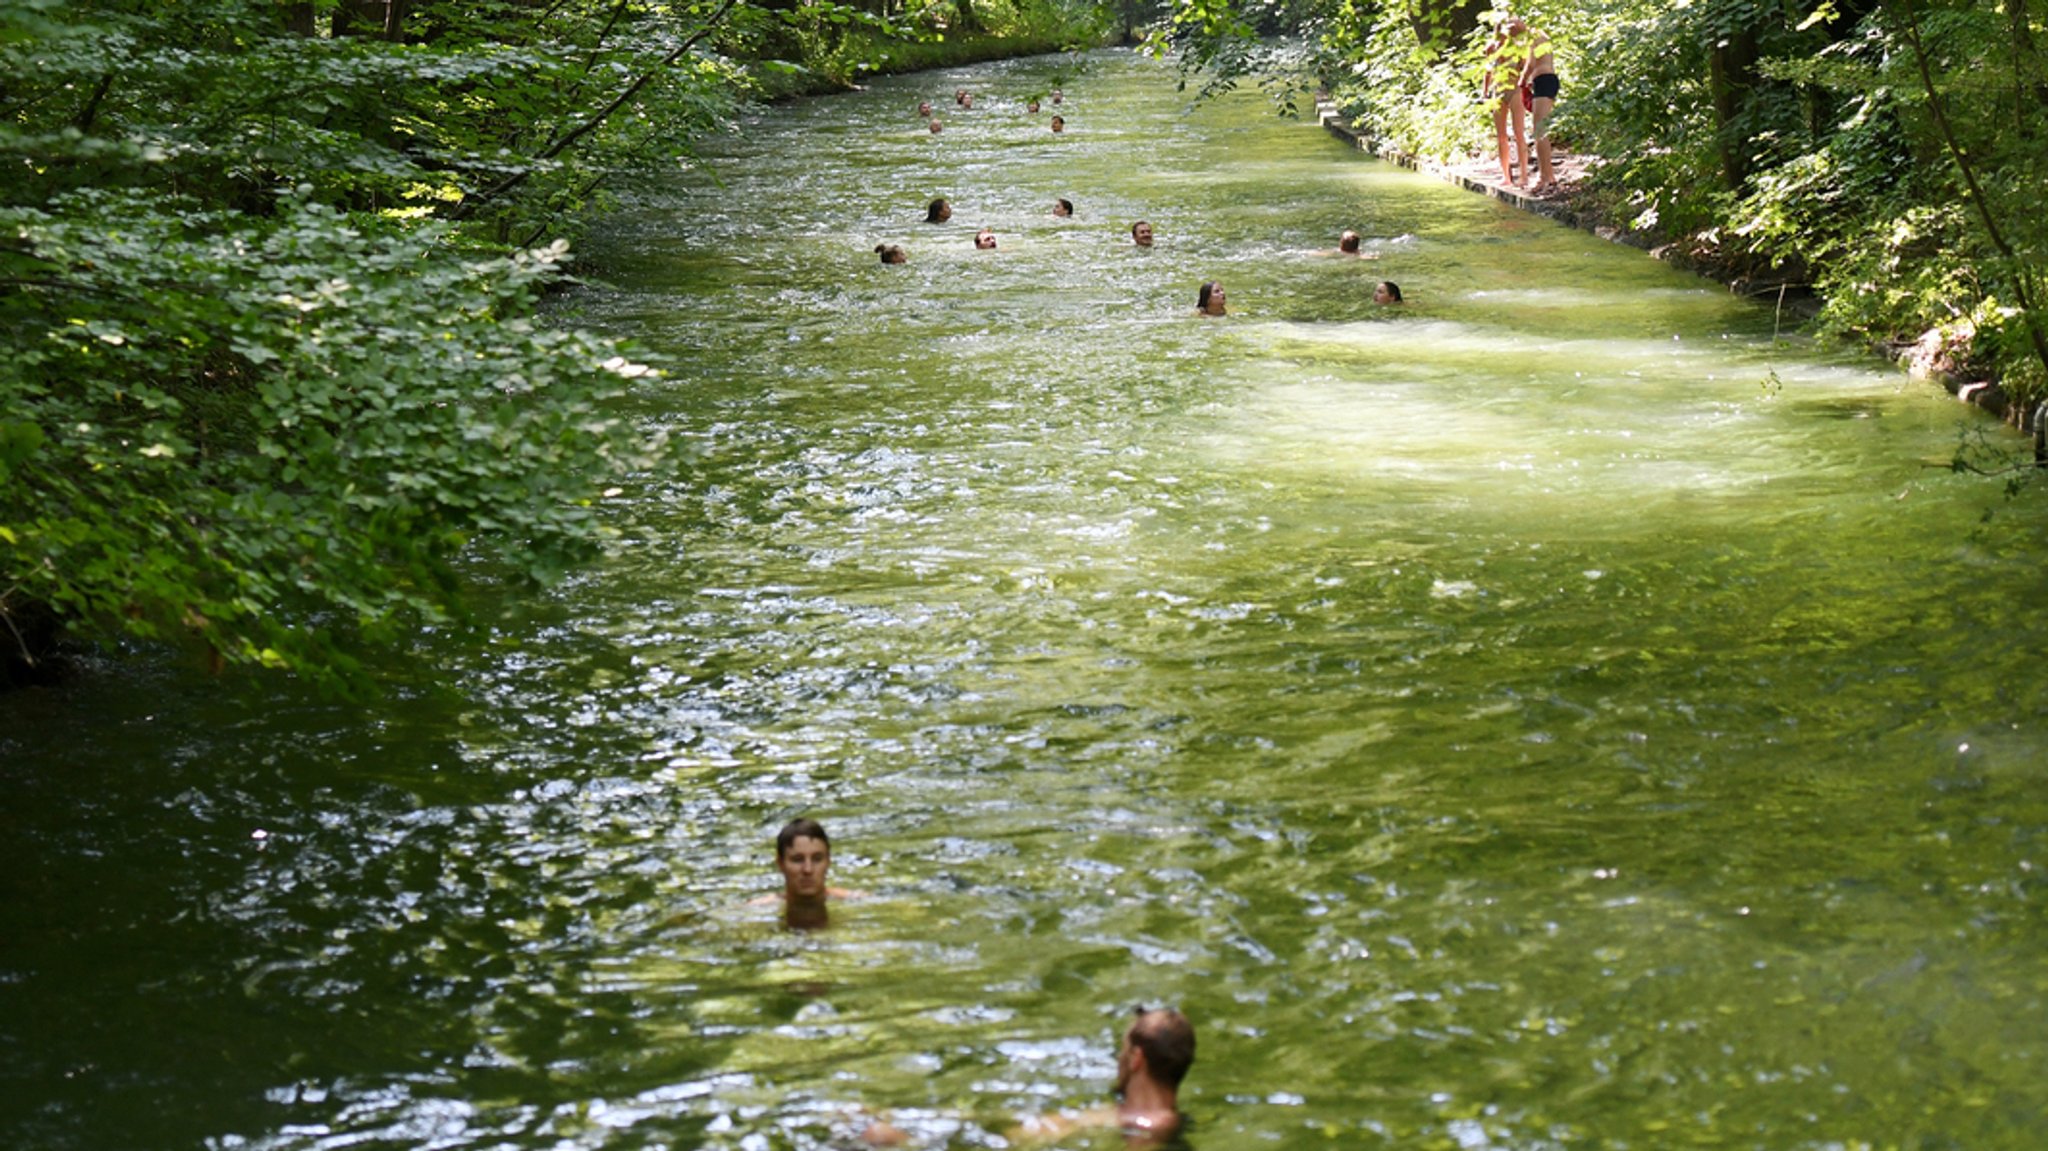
point(1514, 102)
point(1500, 139)
point(1547, 178)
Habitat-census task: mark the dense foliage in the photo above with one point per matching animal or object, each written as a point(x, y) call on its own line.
point(268, 281)
point(1888, 153)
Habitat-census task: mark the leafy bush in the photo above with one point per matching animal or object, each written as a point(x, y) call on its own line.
point(238, 427)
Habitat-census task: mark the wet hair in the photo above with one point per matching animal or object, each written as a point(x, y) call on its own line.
point(937, 211)
point(1168, 1041)
point(892, 253)
point(1066, 205)
point(795, 829)
point(1348, 242)
point(1202, 297)
point(1393, 290)
point(1058, 122)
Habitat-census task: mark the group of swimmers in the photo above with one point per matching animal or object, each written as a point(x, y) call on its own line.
point(1209, 298)
point(1153, 1056)
point(964, 99)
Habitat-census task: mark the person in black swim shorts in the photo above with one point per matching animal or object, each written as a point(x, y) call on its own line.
point(1539, 77)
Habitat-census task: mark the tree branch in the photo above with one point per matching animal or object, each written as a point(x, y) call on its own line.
point(469, 204)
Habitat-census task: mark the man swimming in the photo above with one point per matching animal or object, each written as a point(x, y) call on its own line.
point(1157, 1050)
point(1141, 234)
point(803, 854)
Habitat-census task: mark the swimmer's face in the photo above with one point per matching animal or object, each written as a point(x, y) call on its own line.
point(1382, 295)
point(1141, 234)
point(936, 127)
point(803, 868)
point(1215, 305)
point(984, 239)
point(1062, 208)
point(1031, 107)
point(1125, 1059)
point(1058, 124)
point(925, 108)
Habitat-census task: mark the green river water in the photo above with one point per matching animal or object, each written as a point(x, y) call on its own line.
point(1553, 713)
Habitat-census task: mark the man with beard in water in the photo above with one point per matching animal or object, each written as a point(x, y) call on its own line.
point(1157, 1050)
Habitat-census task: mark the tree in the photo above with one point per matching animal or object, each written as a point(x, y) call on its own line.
point(255, 394)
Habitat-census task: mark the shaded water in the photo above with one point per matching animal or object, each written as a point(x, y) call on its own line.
point(1550, 714)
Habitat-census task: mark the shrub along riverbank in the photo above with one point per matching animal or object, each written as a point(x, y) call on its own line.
point(268, 278)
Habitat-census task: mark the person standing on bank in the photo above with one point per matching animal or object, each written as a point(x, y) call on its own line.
point(1539, 78)
point(1502, 87)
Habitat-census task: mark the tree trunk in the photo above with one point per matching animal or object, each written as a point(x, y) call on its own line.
point(1441, 24)
point(384, 19)
point(1731, 77)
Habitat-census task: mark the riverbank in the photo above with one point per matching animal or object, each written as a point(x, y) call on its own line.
point(902, 58)
point(1575, 204)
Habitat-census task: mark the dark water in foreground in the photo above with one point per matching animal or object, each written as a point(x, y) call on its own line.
point(1550, 715)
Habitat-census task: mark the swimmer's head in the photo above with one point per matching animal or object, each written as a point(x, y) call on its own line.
point(803, 855)
point(984, 239)
point(892, 253)
point(1163, 1040)
point(801, 828)
point(1386, 292)
point(1348, 242)
point(1209, 300)
point(1141, 233)
point(937, 127)
point(1059, 124)
point(1063, 207)
point(938, 211)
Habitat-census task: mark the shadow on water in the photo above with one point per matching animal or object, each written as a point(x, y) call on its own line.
point(1548, 714)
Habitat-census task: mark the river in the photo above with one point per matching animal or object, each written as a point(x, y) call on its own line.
point(1562, 710)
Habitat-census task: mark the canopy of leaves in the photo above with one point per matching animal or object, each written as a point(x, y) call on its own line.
point(258, 390)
